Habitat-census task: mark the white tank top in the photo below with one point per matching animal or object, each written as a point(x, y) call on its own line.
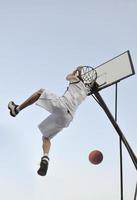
point(74, 95)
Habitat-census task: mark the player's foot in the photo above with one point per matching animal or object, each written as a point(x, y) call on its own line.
point(42, 171)
point(13, 108)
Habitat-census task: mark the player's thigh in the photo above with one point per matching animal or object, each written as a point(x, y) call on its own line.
point(49, 127)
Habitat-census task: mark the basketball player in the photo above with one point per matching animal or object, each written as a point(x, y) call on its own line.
point(62, 110)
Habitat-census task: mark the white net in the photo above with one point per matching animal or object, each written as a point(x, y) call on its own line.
point(88, 75)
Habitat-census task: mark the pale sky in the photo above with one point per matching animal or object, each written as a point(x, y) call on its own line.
point(40, 42)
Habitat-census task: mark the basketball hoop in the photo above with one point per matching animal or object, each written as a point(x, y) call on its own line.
point(88, 75)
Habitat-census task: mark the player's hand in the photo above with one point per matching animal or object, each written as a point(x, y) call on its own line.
point(79, 67)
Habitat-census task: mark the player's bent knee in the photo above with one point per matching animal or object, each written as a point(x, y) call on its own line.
point(45, 138)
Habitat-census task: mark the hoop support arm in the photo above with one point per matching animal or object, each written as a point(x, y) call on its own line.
point(116, 126)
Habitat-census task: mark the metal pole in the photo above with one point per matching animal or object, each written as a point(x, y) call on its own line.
point(135, 196)
point(120, 142)
point(117, 128)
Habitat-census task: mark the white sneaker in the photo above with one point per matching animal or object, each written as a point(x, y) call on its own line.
point(12, 107)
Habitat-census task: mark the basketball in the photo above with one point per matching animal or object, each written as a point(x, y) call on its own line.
point(95, 157)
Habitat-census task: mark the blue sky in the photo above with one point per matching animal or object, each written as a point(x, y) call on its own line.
point(40, 42)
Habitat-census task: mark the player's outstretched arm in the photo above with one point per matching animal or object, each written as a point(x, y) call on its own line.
point(74, 75)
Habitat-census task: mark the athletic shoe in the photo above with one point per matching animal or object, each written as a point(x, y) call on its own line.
point(12, 107)
point(42, 171)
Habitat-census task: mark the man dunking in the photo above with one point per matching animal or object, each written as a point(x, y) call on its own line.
point(62, 111)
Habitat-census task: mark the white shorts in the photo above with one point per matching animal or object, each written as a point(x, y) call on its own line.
point(60, 116)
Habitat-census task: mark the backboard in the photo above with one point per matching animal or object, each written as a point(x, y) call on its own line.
point(114, 70)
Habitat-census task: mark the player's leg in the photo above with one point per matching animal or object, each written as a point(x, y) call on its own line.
point(42, 171)
point(49, 128)
point(15, 109)
point(46, 146)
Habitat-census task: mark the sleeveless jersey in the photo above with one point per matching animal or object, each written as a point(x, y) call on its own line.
point(74, 95)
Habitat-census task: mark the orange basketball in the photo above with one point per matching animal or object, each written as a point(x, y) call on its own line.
point(95, 157)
